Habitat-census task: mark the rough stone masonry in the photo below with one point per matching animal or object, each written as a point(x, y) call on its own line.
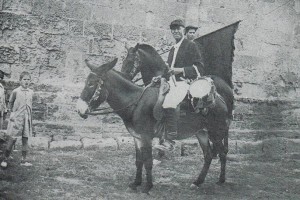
point(51, 38)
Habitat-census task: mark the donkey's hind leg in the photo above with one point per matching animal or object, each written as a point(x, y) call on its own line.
point(202, 137)
point(139, 166)
point(148, 163)
point(222, 154)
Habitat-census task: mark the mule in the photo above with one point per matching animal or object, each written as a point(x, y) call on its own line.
point(135, 104)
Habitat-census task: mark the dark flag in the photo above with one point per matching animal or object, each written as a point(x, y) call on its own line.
point(217, 49)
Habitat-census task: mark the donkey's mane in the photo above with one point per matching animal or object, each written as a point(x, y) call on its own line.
point(152, 55)
point(124, 78)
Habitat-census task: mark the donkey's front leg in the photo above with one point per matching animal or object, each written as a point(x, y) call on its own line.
point(202, 137)
point(139, 166)
point(148, 163)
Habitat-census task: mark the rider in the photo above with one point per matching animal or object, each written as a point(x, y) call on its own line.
point(185, 62)
point(190, 32)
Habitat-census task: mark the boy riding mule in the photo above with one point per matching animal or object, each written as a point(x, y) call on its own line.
point(135, 105)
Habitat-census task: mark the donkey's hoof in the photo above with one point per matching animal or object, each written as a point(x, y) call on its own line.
point(147, 188)
point(194, 186)
point(133, 186)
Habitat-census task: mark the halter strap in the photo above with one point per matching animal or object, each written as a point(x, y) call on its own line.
point(113, 111)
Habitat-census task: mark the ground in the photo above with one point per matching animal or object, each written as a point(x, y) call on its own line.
point(106, 173)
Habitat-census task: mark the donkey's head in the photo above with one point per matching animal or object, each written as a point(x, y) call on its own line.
point(131, 64)
point(145, 59)
point(93, 93)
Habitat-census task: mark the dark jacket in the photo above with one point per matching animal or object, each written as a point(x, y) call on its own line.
point(188, 55)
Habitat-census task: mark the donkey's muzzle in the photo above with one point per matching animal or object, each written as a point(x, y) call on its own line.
point(82, 108)
point(84, 116)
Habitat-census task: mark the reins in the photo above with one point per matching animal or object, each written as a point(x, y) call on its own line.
point(113, 111)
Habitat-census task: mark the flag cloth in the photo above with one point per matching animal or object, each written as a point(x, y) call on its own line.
point(217, 49)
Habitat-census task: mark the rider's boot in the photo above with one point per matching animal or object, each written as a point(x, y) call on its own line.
point(171, 130)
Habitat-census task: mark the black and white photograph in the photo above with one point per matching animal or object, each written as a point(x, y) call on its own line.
point(149, 99)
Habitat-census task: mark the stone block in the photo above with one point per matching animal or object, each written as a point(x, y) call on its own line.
point(57, 138)
point(73, 70)
point(65, 145)
point(154, 37)
point(46, 88)
point(73, 137)
point(76, 27)
point(103, 47)
point(274, 146)
point(49, 128)
point(127, 32)
point(104, 3)
point(243, 147)
point(223, 15)
point(125, 142)
point(104, 14)
point(33, 57)
point(60, 112)
point(102, 143)
point(50, 42)
point(177, 9)
point(131, 17)
point(293, 146)
point(53, 24)
point(5, 67)
point(75, 43)
point(98, 30)
point(77, 9)
point(49, 74)
point(138, 5)
point(49, 7)
point(39, 142)
point(56, 59)
point(8, 55)
point(44, 97)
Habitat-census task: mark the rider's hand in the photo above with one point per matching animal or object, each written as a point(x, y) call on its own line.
point(156, 79)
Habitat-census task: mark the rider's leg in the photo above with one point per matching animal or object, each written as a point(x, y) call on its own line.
point(173, 98)
point(171, 120)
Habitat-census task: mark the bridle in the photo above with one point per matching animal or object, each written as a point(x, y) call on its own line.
point(136, 64)
point(97, 94)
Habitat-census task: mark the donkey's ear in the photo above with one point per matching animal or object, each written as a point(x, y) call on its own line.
point(90, 65)
point(136, 47)
point(108, 66)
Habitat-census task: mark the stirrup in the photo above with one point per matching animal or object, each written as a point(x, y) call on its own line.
point(167, 145)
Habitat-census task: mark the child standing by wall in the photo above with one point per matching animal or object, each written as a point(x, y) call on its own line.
point(20, 105)
point(3, 108)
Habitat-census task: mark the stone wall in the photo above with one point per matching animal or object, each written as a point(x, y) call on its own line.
point(51, 38)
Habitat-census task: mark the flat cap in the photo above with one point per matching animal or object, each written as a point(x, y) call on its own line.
point(177, 22)
point(187, 28)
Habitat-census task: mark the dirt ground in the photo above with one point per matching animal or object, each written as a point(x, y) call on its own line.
point(105, 174)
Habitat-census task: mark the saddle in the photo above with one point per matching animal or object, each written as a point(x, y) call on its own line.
point(201, 95)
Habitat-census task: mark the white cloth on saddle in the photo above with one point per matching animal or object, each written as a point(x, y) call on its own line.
point(176, 94)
